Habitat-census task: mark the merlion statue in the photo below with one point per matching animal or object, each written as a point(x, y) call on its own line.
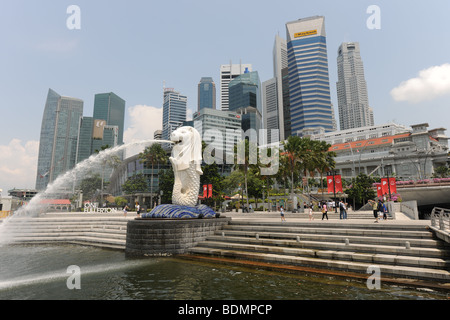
point(186, 161)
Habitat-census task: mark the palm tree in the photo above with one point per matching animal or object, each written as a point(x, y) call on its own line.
point(292, 151)
point(153, 154)
point(243, 161)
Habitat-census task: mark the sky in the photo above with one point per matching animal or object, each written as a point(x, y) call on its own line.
point(134, 47)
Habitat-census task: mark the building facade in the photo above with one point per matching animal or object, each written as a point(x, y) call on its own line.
point(245, 99)
point(58, 139)
point(220, 130)
point(174, 112)
point(111, 108)
point(227, 73)
point(309, 88)
point(353, 100)
point(206, 93)
point(389, 149)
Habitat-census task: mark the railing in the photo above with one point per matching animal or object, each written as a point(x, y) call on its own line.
point(440, 219)
point(5, 214)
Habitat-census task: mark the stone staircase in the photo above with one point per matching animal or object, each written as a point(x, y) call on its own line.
point(100, 231)
point(401, 251)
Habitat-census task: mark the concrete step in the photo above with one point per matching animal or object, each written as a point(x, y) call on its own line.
point(94, 231)
point(357, 239)
point(400, 250)
point(77, 239)
point(433, 258)
point(438, 275)
point(332, 230)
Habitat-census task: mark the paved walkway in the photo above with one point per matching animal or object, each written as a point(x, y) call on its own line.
point(302, 217)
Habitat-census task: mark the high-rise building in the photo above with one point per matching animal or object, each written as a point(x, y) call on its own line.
point(111, 108)
point(245, 99)
point(270, 110)
point(105, 128)
point(227, 73)
point(157, 135)
point(210, 123)
point(353, 101)
point(59, 135)
point(174, 112)
point(206, 93)
point(309, 87)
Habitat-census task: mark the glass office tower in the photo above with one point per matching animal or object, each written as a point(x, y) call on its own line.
point(59, 135)
point(309, 88)
point(245, 99)
point(206, 93)
point(110, 107)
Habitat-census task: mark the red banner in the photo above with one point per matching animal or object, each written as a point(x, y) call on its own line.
point(336, 185)
point(379, 193)
point(205, 190)
point(209, 190)
point(330, 184)
point(393, 185)
point(384, 186)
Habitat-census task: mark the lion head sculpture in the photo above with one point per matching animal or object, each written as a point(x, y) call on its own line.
point(186, 161)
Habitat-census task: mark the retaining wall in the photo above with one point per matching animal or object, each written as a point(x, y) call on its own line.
point(163, 237)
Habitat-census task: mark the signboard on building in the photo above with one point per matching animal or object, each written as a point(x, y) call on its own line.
point(99, 126)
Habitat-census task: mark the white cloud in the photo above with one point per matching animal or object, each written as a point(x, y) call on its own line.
point(144, 120)
point(429, 84)
point(18, 165)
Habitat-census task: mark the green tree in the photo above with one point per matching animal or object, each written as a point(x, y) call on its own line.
point(361, 189)
point(120, 201)
point(166, 182)
point(134, 184)
point(441, 172)
point(151, 156)
point(90, 185)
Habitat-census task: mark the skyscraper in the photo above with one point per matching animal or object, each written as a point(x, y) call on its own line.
point(105, 128)
point(275, 95)
point(270, 110)
point(111, 108)
point(59, 135)
point(309, 87)
point(174, 112)
point(353, 101)
point(227, 73)
point(206, 93)
point(245, 99)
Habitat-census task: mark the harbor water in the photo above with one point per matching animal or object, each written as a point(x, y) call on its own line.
point(45, 272)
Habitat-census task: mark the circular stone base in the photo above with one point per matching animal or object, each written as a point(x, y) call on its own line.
point(173, 211)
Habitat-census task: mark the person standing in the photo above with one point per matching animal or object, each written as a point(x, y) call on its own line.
point(342, 210)
point(310, 208)
point(374, 209)
point(324, 210)
point(125, 210)
point(282, 214)
point(138, 209)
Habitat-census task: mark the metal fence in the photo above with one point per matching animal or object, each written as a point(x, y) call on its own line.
point(440, 218)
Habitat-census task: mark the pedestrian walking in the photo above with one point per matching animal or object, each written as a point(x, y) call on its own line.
point(282, 214)
point(384, 212)
point(310, 209)
point(138, 209)
point(374, 209)
point(324, 210)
